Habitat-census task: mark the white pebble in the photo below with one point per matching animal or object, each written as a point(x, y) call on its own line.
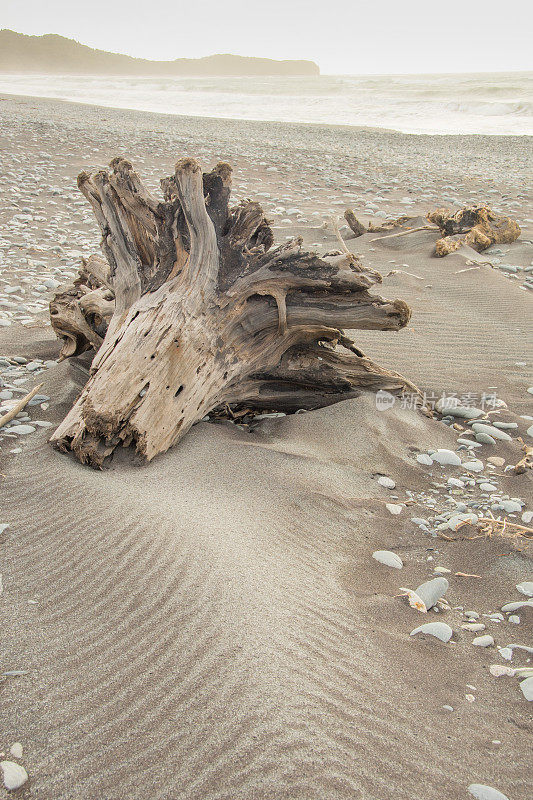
point(446, 458)
point(511, 506)
point(388, 483)
point(527, 688)
point(15, 775)
point(388, 558)
point(526, 587)
point(456, 482)
point(497, 670)
point(483, 641)
point(473, 466)
point(394, 508)
point(16, 750)
point(423, 458)
point(440, 630)
point(482, 792)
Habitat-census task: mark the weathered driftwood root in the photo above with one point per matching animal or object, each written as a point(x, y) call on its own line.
point(205, 313)
point(477, 227)
point(80, 311)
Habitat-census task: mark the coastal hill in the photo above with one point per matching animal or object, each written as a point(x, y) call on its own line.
point(52, 53)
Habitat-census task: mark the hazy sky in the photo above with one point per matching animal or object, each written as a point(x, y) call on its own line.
point(342, 36)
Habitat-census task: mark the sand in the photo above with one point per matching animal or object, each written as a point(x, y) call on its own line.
point(213, 625)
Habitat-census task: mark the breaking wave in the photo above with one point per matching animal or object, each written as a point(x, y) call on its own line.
point(499, 103)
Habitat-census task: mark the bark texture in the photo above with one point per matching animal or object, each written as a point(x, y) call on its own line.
point(194, 309)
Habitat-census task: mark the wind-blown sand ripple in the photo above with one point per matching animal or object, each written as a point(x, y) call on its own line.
point(213, 626)
point(204, 633)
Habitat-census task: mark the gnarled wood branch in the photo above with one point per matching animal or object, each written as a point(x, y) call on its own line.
point(206, 312)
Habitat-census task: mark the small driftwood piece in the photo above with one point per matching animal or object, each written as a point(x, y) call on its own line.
point(405, 233)
point(204, 313)
point(17, 408)
point(353, 223)
point(476, 226)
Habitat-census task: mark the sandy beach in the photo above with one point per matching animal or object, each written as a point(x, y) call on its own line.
point(213, 625)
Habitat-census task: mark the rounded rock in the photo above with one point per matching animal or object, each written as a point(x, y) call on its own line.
point(388, 558)
point(483, 792)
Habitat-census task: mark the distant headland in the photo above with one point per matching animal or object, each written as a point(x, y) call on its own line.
point(52, 53)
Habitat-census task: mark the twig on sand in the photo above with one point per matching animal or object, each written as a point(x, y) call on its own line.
point(19, 406)
point(467, 575)
point(496, 525)
point(403, 272)
point(335, 226)
point(404, 233)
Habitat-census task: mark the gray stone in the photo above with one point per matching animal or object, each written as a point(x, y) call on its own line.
point(490, 430)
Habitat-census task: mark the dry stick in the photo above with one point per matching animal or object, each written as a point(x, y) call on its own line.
point(20, 405)
point(404, 233)
point(403, 272)
point(342, 243)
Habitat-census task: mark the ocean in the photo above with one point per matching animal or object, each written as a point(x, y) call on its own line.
point(497, 103)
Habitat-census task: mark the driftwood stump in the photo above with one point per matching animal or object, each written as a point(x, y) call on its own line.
point(192, 309)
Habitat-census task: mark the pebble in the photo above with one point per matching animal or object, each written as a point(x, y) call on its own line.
point(388, 558)
point(473, 466)
point(423, 458)
point(473, 626)
point(484, 438)
point(441, 630)
point(16, 750)
point(454, 409)
point(517, 605)
point(490, 430)
point(457, 519)
point(488, 487)
point(498, 461)
point(394, 508)
point(15, 775)
point(526, 688)
point(526, 587)
point(505, 652)
point(511, 506)
point(446, 458)
point(483, 641)
point(527, 517)
point(482, 792)
point(456, 482)
point(432, 590)
point(388, 483)
point(22, 429)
